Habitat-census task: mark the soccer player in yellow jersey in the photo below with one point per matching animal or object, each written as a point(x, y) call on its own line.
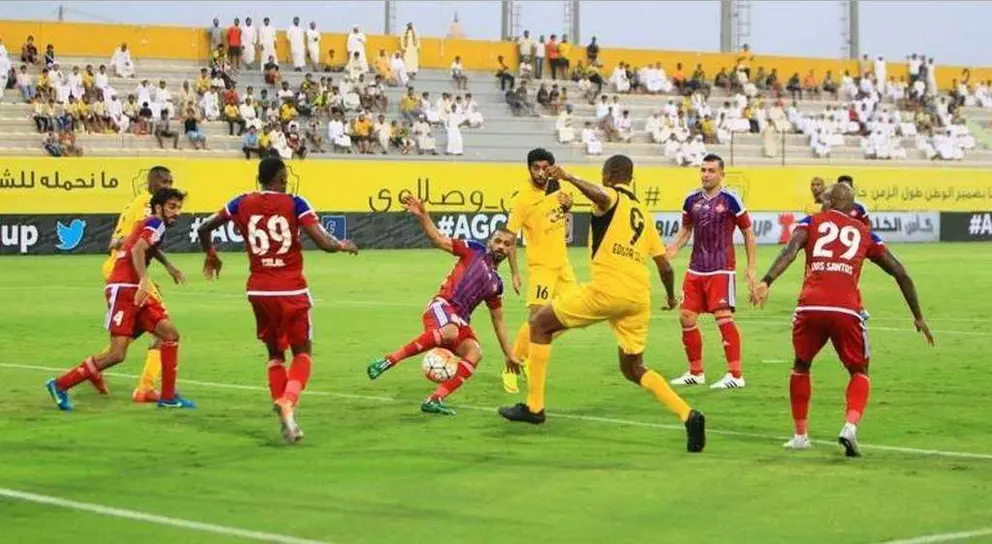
point(539, 210)
point(159, 177)
point(622, 238)
point(816, 186)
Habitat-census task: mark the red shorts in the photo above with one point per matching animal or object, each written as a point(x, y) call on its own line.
point(709, 293)
point(283, 320)
point(440, 313)
point(847, 332)
point(124, 318)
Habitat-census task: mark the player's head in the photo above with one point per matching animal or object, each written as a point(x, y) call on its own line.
point(159, 177)
point(272, 174)
point(816, 186)
point(499, 244)
point(538, 161)
point(711, 172)
point(847, 180)
point(838, 196)
point(167, 203)
point(618, 170)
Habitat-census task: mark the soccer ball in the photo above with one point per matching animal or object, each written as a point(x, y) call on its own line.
point(439, 365)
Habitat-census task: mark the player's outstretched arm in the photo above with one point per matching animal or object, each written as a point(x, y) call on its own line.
point(751, 248)
point(211, 263)
point(782, 262)
point(514, 268)
point(598, 194)
point(416, 207)
point(893, 267)
point(681, 239)
point(177, 275)
point(667, 274)
point(499, 326)
point(326, 242)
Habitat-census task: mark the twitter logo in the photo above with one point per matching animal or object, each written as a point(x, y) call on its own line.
point(70, 236)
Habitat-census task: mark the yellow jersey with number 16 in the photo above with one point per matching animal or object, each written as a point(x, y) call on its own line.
point(620, 243)
point(537, 212)
point(137, 210)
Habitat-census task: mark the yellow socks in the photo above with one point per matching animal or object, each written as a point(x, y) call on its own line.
point(653, 382)
point(152, 370)
point(537, 360)
point(522, 343)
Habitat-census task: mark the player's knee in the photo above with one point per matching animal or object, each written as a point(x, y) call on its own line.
point(115, 355)
point(167, 332)
point(687, 319)
point(449, 333)
point(801, 367)
point(857, 368)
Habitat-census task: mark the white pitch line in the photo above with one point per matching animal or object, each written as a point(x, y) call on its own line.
point(616, 421)
point(151, 518)
point(943, 537)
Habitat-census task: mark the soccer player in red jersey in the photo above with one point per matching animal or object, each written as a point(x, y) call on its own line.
point(710, 215)
point(446, 319)
point(270, 221)
point(131, 311)
point(836, 245)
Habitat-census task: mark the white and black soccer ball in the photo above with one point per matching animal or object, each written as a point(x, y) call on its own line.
point(439, 365)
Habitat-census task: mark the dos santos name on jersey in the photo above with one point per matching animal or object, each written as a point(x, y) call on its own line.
point(823, 266)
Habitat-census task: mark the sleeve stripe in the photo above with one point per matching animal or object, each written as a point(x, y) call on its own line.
point(305, 213)
point(742, 212)
point(227, 210)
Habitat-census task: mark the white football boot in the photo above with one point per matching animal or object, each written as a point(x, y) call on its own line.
point(849, 439)
point(729, 382)
point(689, 379)
point(798, 442)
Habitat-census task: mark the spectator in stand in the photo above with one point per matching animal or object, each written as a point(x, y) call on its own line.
point(314, 138)
point(398, 67)
point(458, 74)
point(164, 130)
point(232, 115)
point(297, 45)
point(382, 66)
point(267, 41)
point(540, 55)
point(422, 135)
point(543, 97)
point(4, 74)
point(3, 50)
point(679, 80)
point(722, 80)
point(144, 120)
point(265, 143)
point(216, 34)
point(564, 54)
point(121, 62)
point(525, 46)
point(592, 53)
point(45, 86)
point(504, 74)
point(312, 36)
point(191, 127)
point(592, 72)
point(356, 44)
point(810, 85)
point(67, 140)
point(249, 144)
point(50, 56)
point(333, 65)
point(592, 142)
point(130, 111)
point(555, 100)
point(520, 102)
point(52, 145)
point(794, 86)
point(41, 114)
point(295, 142)
point(563, 126)
point(829, 85)
point(410, 47)
point(336, 133)
point(271, 71)
point(249, 42)
point(553, 56)
point(235, 41)
point(29, 52)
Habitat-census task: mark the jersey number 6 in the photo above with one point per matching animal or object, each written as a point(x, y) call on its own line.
point(276, 229)
point(636, 224)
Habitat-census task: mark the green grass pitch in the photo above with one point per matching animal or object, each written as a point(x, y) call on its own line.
point(610, 467)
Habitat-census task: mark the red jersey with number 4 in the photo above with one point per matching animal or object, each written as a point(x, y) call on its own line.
point(836, 247)
point(270, 224)
point(151, 229)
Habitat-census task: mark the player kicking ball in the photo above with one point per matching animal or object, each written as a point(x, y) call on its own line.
point(131, 308)
point(836, 245)
point(446, 319)
point(277, 290)
point(621, 241)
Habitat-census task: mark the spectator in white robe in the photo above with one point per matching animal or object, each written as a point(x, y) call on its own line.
point(983, 95)
point(75, 82)
point(881, 74)
point(653, 127)
point(410, 47)
point(443, 107)
point(875, 146)
point(625, 126)
point(356, 44)
point(655, 80)
point(896, 90)
point(313, 46)
point(210, 104)
point(280, 145)
point(945, 146)
point(961, 134)
point(472, 113)
point(619, 79)
point(422, 136)
point(340, 141)
point(777, 118)
point(121, 62)
point(454, 133)
point(115, 110)
point(691, 153)
point(398, 68)
point(143, 92)
point(297, 45)
point(563, 126)
point(102, 80)
point(848, 90)
point(267, 42)
point(163, 98)
point(431, 115)
point(250, 116)
point(602, 108)
point(249, 42)
point(818, 144)
point(931, 77)
point(672, 147)
point(592, 142)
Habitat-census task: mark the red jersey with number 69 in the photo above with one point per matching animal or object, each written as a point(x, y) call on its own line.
point(836, 247)
point(270, 224)
point(150, 229)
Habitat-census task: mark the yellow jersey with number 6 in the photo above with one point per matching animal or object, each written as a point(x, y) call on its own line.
point(620, 243)
point(137, 210)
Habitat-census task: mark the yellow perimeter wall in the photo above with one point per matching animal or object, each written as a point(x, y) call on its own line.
point(69, 186)
point(184, 43)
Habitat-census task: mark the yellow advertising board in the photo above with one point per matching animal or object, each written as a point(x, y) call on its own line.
point(96, 185)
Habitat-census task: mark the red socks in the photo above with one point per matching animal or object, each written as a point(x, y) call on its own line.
point(299, 373)
point(693, 342)
point(77, 375)
point(277, 378)
point(731, 345)
point(800, 391)
point(424, 342)
point(464, 372)
point(170, 364)
point(857, 397)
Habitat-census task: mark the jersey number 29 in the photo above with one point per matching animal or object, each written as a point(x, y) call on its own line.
point(261, 235)
point(849, 236)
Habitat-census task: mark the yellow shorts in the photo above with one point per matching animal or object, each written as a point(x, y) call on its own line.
point(547, 284)
point(628, 318)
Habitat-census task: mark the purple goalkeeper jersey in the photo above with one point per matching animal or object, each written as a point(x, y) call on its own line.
point(713, 220)
point(473, 281)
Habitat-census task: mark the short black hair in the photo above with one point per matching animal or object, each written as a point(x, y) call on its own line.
point(159, 170)
point(539, 154)
point(619, 168)
point(164, 195)
point(846, 179)
point(269, 168)
point(713, 157)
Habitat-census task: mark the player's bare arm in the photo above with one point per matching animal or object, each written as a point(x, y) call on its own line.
point(177, 275)
point(499, 326)
point(681, 239)
point(893, 267)
point(416, 207)
point(751, 248)
point(211, 263)
point(782, 262)
point(138, 255)
point(598, 194)
point(327, 242)
point(511, 257)
point(667, 274)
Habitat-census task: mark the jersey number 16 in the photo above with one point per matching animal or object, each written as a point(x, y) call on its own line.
point(262, 234)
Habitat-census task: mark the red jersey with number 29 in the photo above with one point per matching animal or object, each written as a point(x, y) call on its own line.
point(270, 224)
point(836, 247)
